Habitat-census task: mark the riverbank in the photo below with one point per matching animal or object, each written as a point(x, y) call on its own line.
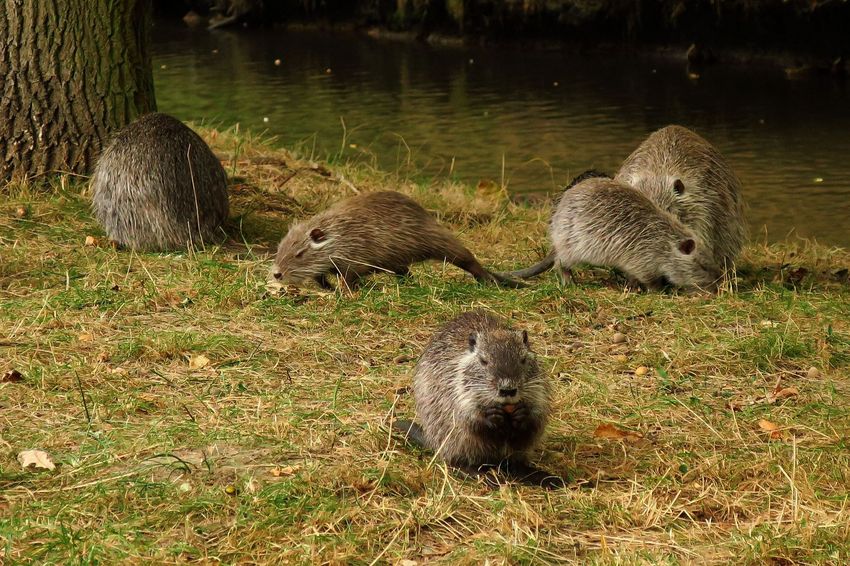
point(194, 413)
point(793, 34)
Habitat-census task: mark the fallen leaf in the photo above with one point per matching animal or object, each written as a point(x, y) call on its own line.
point(198, 361)
point(785, 392)
point(772, 428)
point(231, 490)
point(85, 337)
point(621, 358)
point(20, 212)
point(36, 459)
point(813, 373)
point(407, 562)
point(91, 241)
point(641, 371)
point(283, 471)
point(618, 338)
point(12, 376)
point(402, 358)
point(613, 433)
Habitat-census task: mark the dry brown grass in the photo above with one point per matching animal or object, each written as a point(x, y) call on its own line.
point(279, 449)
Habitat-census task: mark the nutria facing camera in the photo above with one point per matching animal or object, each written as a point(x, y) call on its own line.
point(481, 397)
point(158, 186)
point(381, 231)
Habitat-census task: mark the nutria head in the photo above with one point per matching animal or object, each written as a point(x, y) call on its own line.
point(692, 264)
point(499, 368)
point(303, 254)
point(669, 192)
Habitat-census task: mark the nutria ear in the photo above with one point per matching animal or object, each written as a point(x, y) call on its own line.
point(317, 235)
point(687, 246)
point(679, 187)
point(525, 337)
point(472, 342)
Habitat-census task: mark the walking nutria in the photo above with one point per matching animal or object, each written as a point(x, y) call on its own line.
point(158, 186)
point(380, 231)
point(548, 262)
point(481, 397)
point(686, 176)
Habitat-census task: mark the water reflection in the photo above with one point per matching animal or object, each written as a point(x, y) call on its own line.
point(548, 115)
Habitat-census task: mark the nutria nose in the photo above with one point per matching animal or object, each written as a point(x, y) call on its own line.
point(278, 275)
point(507, 392)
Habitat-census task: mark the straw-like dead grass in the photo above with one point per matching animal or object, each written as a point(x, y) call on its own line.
point(277, 448)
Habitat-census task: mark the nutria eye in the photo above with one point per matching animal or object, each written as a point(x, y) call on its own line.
point(299, 254)
point(679, 187)
point(522, 361)
point(483, 361)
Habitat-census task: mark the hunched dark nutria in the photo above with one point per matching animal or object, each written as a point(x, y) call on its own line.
point(685, 175)
point(603, 222)
point(158, 186)
point(379, 231)
point(481, 397)
point(548, 262)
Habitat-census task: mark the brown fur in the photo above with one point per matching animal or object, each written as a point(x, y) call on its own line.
point(686, 176)
point(158, 186)
point(603, 222)
point(382, 231)
point(472, 367)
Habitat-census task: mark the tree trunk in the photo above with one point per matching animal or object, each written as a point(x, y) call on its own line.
point(71, 72)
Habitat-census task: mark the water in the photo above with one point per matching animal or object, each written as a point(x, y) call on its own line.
point(531, 119)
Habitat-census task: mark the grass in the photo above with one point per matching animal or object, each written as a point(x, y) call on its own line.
point(279, 449)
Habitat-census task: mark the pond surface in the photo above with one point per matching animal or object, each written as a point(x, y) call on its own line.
point(531, 119)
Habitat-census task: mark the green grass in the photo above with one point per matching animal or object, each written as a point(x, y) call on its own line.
point(279, 450)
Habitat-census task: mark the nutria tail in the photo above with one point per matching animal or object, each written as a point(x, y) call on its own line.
point(411, 432)
point(544, 264)
point(589, 174)
point(503, 280)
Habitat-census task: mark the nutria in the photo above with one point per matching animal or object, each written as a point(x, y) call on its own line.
point(380, 231)
point(548, 262)
point(158, 186)
point(686, 176)
point(481, 397)
point(603, 222)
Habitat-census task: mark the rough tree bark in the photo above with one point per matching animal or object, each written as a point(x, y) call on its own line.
point(71, 71)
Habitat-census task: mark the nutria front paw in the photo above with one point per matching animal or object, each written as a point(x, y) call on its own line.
point(520, 417)
point(493, 418)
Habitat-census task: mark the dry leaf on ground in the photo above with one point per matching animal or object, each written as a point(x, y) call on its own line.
point(283, 471)
point(36, 459)
point(612, 432)
point(770, 427)
point(785, 392)
point(198, 361)
point(12, 376)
